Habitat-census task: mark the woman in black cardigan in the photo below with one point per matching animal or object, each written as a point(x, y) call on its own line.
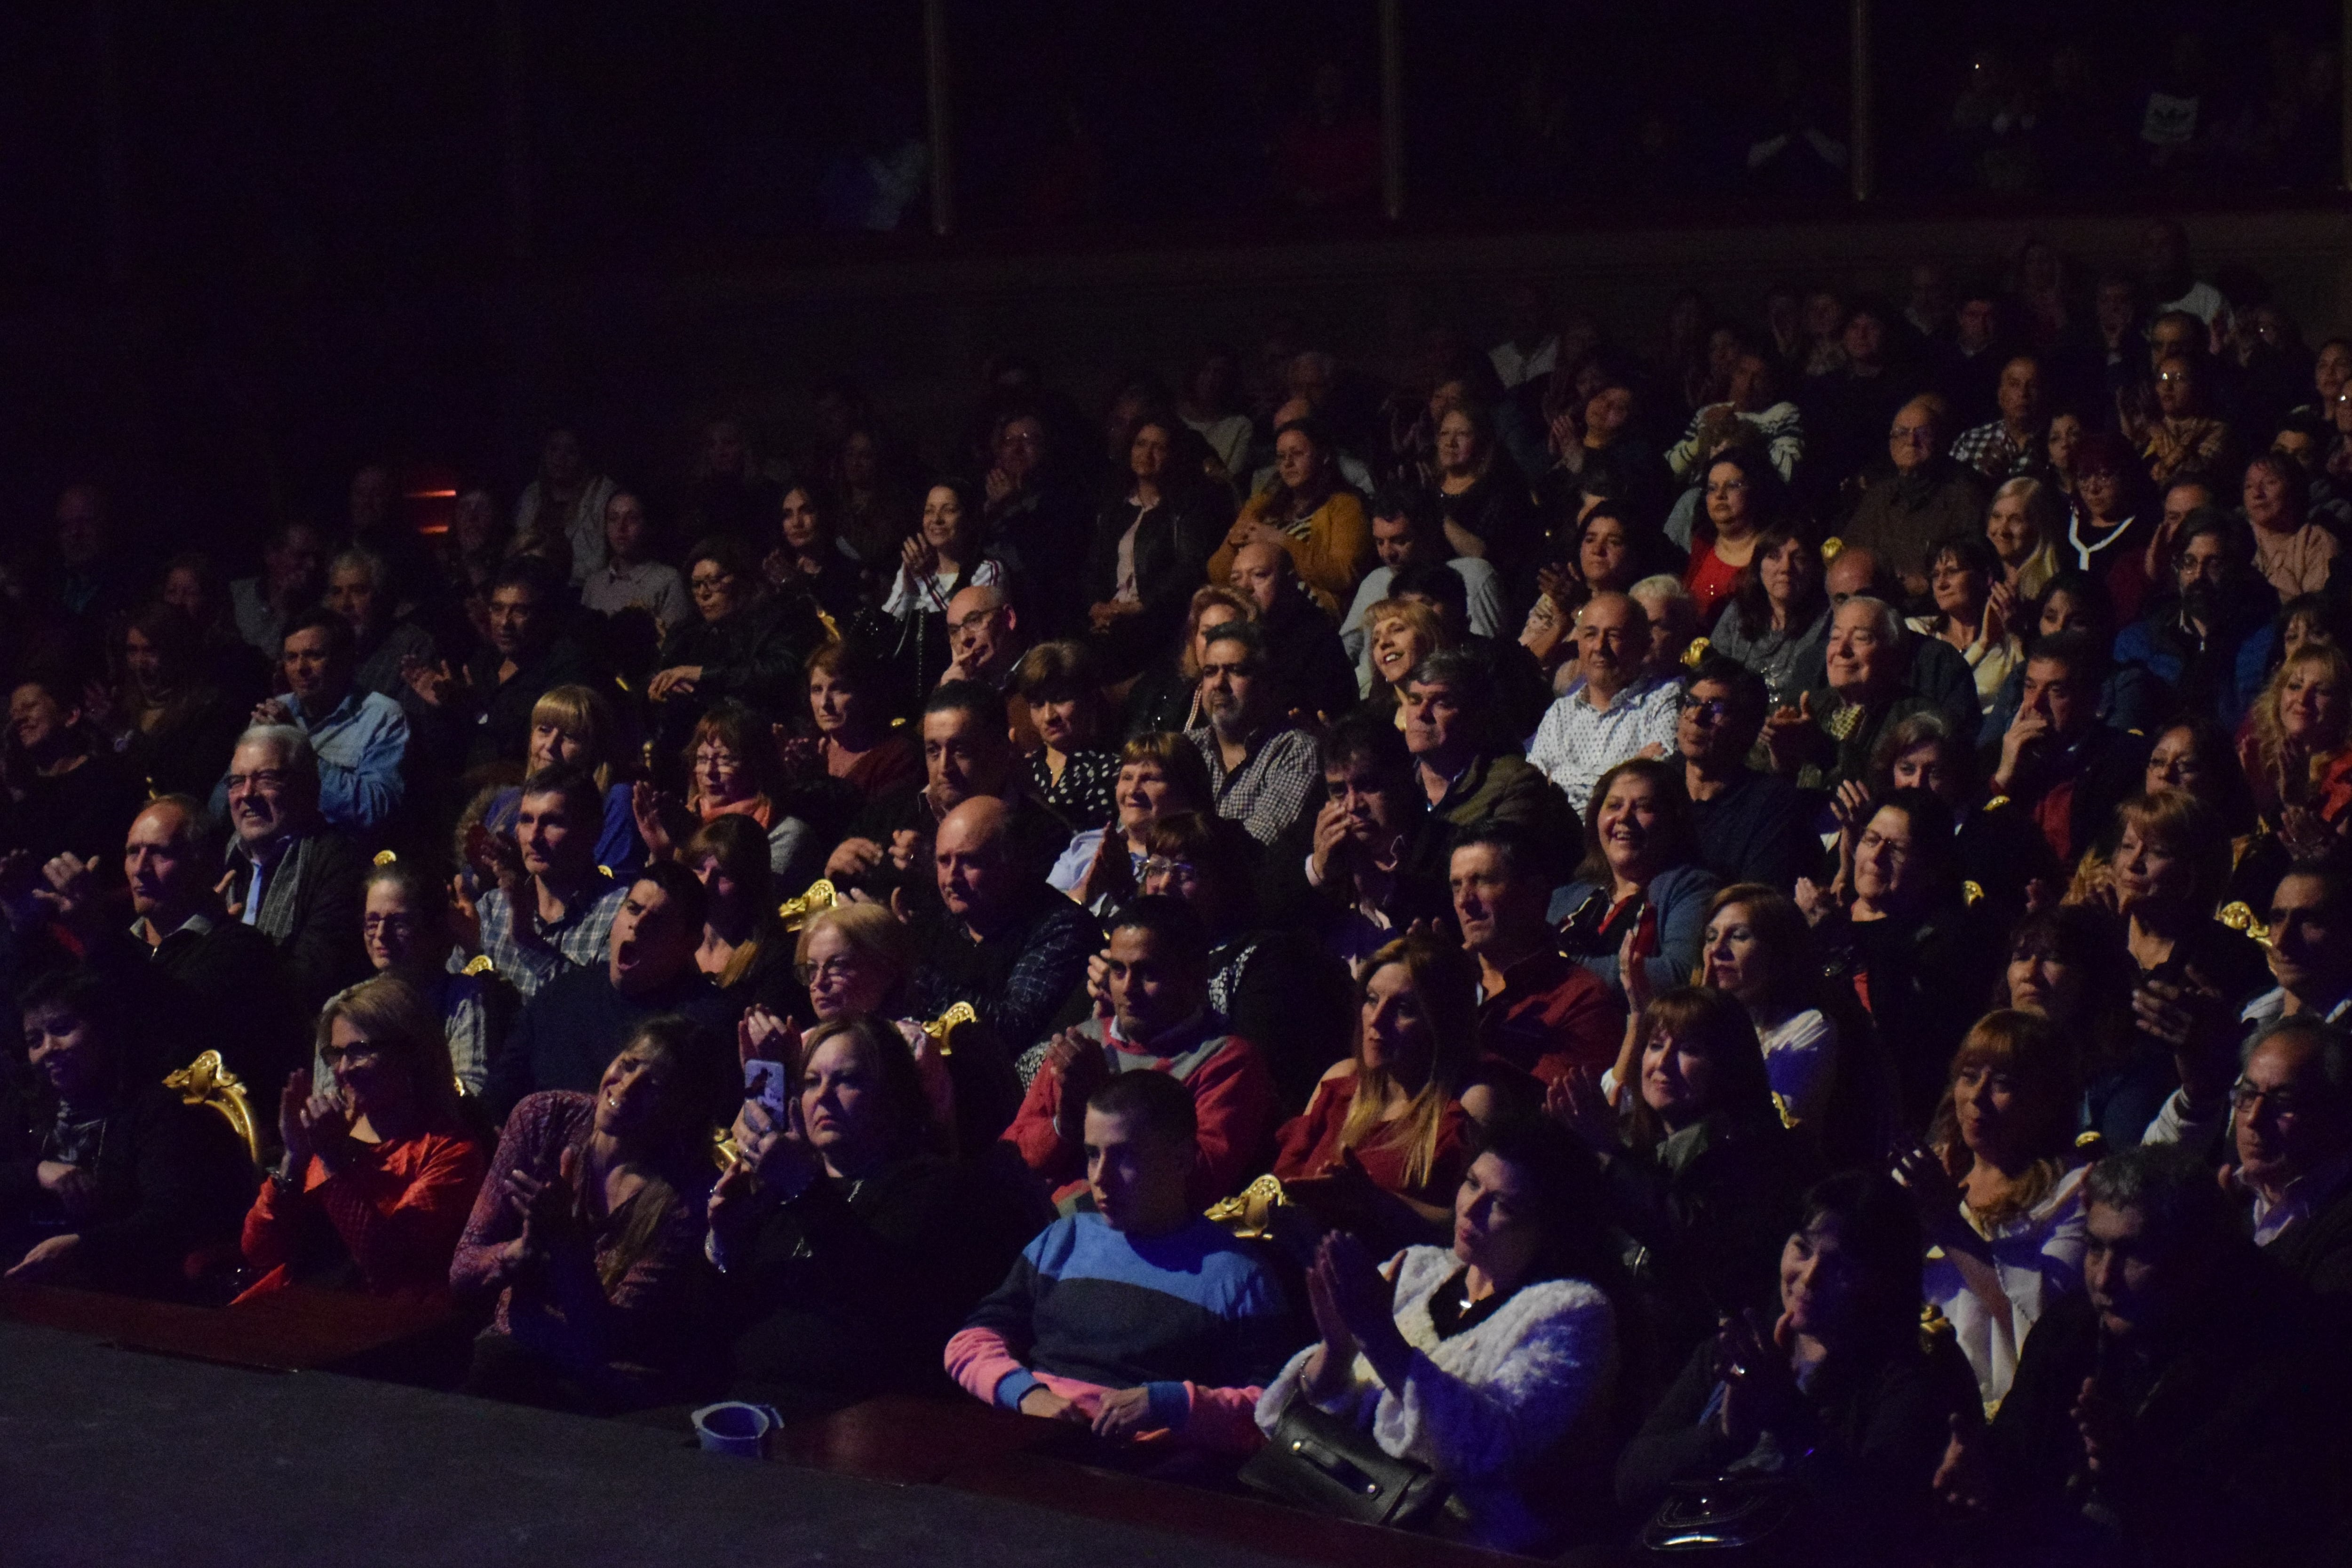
point(1839, 1395)
point(1151, 544)
point(107, 1180)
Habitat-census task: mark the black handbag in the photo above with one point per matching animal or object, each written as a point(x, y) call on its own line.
point(1327, 1466)
point(1731, 1514)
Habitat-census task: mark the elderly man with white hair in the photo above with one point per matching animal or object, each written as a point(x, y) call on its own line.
point(1827, 739)
point(291, 877)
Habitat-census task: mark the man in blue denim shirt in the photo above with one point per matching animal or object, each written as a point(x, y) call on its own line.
point(360, 738)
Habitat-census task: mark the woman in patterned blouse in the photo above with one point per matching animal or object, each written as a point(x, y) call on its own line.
point(1070, 771)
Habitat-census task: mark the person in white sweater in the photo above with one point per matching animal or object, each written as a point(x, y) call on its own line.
point(1477, 1360)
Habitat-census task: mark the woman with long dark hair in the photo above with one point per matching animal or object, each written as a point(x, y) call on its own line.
point(1150, 545)
point(1778, 620)
point(1475, 1358)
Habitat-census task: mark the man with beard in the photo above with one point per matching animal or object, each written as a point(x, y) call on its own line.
point(2211, 638)
point(1262, 768)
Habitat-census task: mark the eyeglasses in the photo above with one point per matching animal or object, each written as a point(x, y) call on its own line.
point(269, 780)
point(1897, 850)
point(1912, 435)
point(2245, 1096)
point(713, 758)
point(1182, 871)
point(1727, 488)
point(713, 582)
point(356, 1053)
point(2171, 376)
point(1713, 710)
point(831, 969)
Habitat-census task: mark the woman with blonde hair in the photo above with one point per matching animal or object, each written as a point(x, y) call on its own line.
point(1385, 1128)
point(1999, 1187)
point(2022, 525)
point(2297, 759)
point(1400, 633)
point(378, 1175)
point(579, 724)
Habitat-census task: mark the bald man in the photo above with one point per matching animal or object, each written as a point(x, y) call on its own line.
point(194, 979)
point(1003, 941)
point(985, 636)
point(1922, 500)
point(1615, 711)
point(1304, 656)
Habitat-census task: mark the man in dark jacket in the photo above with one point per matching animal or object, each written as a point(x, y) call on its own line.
point(569, 1033)
point(2184, 1409)
point(485, 717)
point(291, 877)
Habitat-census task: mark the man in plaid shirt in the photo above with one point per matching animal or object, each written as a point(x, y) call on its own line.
point(553, 906)
point(2010, 445)
point(1265, 772)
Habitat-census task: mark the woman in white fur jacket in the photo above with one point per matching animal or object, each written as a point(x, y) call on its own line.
point(1477, 1361)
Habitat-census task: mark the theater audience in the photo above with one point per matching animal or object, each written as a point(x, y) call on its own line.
point(630, 577)
point(1368, 866)
point(1158, 775)
point(1758, 950)
point(358, 739)
point(1617, 710)
point(62, 790)
point(587, 1228)
point(376, 1179)
point(577, 724)
point(1777, 619)
point(745, 647)
point(1069, 770)
point(173, 724)
point(485, 708)
point(732, 771)
point(745, 950)
point(2211, 639)
point(1466, 775)
point(1304, 656)
point(1138, 1319)
point(1309, 512)
point(1926, 499)
point(1749, 825)
point(360, 591)
point(1701, 1175)
point(404, 925)
point(1151, 547)
point(1262, 767)
point(858, 752)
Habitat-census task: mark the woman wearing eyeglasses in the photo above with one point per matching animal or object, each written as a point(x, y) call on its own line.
point(404, 926)
point(377, 1177)
point(745, 643)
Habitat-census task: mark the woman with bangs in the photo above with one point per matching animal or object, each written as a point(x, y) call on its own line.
point(1385, 1129)
point(2186, 968)
point(733, 770)
point(578, 724)
point(1402, 632)
point(2108, 535)
point(1999, 1188)
point(1167, 695)
point(1776, 621)
point(1757, 949)
point(1159, 775)
point(1702, 1177)
point(373, 1189)
point(1635, 913)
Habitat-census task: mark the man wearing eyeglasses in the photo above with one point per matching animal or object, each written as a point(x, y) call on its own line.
point(291, 875)
point(1750, 825)
point(1922, 498)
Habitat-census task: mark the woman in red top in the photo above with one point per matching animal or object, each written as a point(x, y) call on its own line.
point(1737, 508)
point(1383, 1138)
point(378, 1176)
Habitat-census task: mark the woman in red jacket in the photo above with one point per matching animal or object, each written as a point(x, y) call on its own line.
point(379, 1177)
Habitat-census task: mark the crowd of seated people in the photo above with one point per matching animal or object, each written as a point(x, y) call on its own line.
point(1782, 927)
